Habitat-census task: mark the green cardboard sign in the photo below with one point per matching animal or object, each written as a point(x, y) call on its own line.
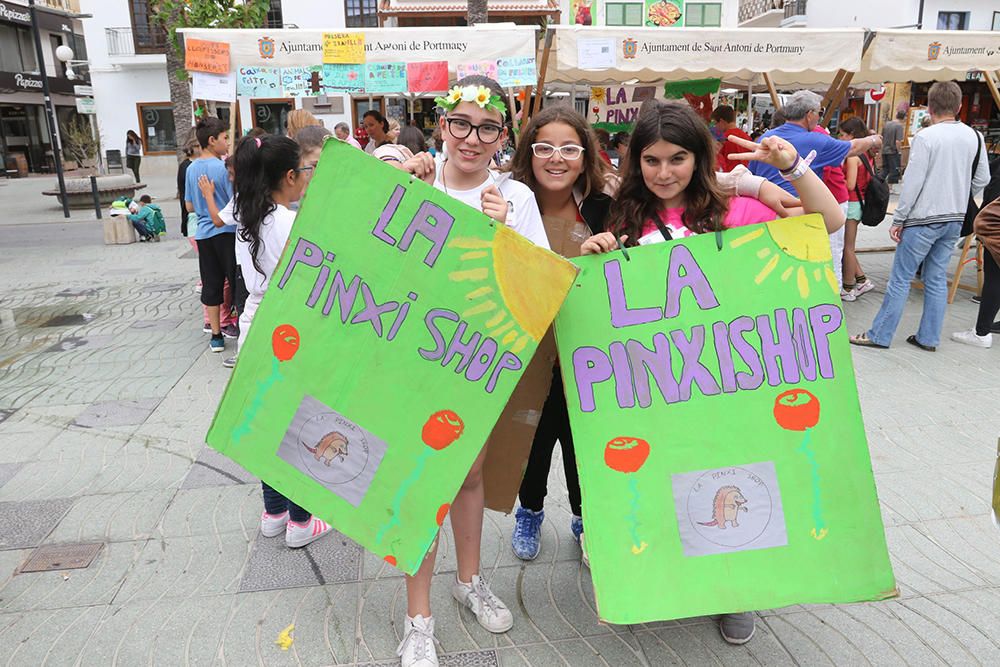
point(718, 434)
point(393, 332)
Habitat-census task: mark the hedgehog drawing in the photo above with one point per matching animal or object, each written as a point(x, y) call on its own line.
point(330, 446)
point(726, 507)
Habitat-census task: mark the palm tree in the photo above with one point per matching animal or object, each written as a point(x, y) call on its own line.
point(476, 12)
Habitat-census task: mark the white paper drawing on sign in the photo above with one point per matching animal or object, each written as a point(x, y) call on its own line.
point(729, 509)
point(331, 449)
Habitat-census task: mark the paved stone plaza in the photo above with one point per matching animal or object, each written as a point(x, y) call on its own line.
point(107, 388)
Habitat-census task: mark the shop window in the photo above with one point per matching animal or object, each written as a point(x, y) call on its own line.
point(703, 15)
point(996, 20)
point(953, 21)
point(361, 13)
point(272, 115)
point(17, 50)
point(147, 35)
point(156, 127)
point(56, 41)
point(623, 13)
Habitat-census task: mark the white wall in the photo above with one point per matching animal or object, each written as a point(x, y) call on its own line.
point(895, 13)
point(312, 14)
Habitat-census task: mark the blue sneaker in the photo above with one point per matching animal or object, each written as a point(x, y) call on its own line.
point(576, 527)
point(217, 344)
point(527, 538)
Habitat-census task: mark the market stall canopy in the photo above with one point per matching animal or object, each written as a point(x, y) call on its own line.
point(793, 58)
point(919, 55)
point(456, 45)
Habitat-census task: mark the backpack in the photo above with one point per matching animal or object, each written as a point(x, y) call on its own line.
point(158, 224)
point(875, 203)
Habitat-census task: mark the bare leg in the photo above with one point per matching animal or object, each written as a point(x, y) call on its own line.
point(467, 526)
point(213, 318)
point(852, 268)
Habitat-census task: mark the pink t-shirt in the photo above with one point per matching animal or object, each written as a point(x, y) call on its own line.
point(742, 211)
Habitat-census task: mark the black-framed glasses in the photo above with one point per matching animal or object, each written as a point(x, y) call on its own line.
point(568, 152)
point(488, 133)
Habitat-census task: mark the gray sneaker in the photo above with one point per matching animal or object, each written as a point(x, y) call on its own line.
point(737, 628)
point(229, 362)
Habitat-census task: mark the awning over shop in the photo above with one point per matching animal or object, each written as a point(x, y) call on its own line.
point(920, 55)
point(796, 58)
point(288, 48)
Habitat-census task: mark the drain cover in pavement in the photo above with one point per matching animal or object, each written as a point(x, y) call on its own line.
point(61, 557)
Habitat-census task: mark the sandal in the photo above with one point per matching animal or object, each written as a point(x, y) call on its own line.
point(912, 340)
point(864, 341)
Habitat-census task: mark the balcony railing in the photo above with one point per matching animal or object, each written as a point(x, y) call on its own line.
point(751, 9)
point(129, 42)
point(795, 8)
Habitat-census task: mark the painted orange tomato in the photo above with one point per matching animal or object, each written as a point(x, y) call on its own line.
point(441, 429)
point(442, 513)
point(626, 454)
point(285, 341)
point(796, 410)
point(390, 559)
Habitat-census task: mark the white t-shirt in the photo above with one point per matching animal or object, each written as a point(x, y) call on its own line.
point(522, 213)
point(274, 233)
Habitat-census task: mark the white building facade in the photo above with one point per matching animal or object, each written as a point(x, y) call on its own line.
point(129, 75)
point(937, 14)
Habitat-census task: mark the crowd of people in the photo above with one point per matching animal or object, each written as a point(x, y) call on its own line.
point(673, 177)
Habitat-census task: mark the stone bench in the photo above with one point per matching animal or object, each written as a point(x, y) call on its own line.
point(109, 188)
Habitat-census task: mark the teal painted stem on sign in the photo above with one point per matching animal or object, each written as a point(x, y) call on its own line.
point(258, 401)
point(817, 498)
point(397, 501)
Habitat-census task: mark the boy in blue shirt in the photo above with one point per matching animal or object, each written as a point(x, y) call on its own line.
point(216, 240)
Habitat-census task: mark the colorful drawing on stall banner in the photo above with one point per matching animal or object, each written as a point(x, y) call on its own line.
point(615, 108)
point(439, 312)
point(583, 11)
point(480, 68)
point(204, 56)
point(343, 47)
point(516, 71)
point(262, 82)
point(385, 78)
point(664, 13)
point(427, 77)
point(694, 377)
point(302, 81)
point(699, 93)
point(344, 78)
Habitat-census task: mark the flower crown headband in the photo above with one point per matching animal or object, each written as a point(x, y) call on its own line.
point(479, 95)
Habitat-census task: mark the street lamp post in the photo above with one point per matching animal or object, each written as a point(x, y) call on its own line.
point(50, 111)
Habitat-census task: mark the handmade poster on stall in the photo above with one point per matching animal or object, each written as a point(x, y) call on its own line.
point(517, 71)
point(699, 93)
point(615, 107)
point(428, 77)
point(344, 47)
point(583, 11)
point(302, 81)
point(385, 77)
point(384, 351)
point(718, 435)
point(258, 82)
point(203, 56)
point(217, 87)
point(344, 78)
point(480, 68)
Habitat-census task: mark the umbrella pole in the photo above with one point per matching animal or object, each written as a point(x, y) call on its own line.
point(773, 91)
point(546, 51)
point(992, 85)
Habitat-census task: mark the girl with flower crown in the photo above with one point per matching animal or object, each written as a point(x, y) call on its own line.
point(473, 127)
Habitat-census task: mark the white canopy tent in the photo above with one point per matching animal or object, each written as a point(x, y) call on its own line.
point(289, 48)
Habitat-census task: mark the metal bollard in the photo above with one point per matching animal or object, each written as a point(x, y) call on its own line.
point(97, 198)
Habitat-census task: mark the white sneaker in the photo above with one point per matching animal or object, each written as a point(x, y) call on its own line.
point(419, 646)
point(272, 525)
point(970, 337)
point(583, 550)
point(862, 288)
point(491, 613)
point(848, 295)
point(300, 534)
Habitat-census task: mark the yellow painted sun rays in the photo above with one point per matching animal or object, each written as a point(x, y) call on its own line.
point(803, 239)
point(516, 311)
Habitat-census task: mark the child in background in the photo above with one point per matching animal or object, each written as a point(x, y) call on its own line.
point(268, 179)
point(473, 128)
point(146, 218)
point(857, 178)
